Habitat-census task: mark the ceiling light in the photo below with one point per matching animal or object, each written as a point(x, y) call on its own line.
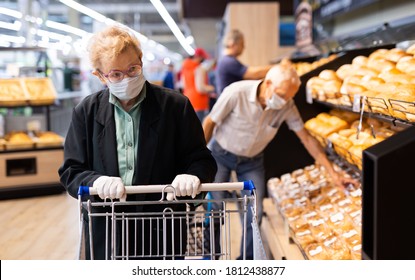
point(65, 27)
point(13, 39)
point(172, 25)
point(85, 10)
point(10, 12)
point(16, 25)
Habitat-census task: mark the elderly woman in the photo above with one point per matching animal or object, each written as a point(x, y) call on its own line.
point(132, 133)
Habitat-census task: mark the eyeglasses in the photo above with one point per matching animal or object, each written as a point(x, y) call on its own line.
point(116, 76)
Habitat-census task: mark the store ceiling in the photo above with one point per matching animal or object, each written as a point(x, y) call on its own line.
point(199, 18)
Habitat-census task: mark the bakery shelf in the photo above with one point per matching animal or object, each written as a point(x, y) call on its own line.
point(381, 117)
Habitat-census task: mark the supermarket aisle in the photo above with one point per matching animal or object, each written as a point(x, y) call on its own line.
point(46, 228)
point(40, 228)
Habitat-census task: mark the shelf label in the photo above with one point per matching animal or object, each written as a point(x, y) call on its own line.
point(308, 95)
point(356, 103)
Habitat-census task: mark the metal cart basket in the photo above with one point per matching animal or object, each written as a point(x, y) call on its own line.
point(161, 229)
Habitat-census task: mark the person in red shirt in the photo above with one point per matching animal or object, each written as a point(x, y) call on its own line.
point(195, 81)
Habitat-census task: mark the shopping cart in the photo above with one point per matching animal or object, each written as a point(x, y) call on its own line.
point(161, 229)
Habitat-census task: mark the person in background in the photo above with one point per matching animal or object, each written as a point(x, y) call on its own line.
point(168, 81)
point(133, 133)
point(230, 69)
point(245, 118)
point(212, 80)
point(195, 81)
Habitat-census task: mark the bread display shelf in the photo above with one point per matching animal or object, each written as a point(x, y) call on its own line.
point(370, 114)
point(26, 92)
point(323, 221)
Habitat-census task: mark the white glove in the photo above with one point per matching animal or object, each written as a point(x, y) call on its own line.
point(110, 187)
point(185, 185)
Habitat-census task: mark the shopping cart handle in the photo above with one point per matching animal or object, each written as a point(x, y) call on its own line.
point(206, 187)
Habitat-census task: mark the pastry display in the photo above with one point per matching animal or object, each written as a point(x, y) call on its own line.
point(2, 144)
point(304, 67)
point(48, 139)
point(12, 92)
point(319, 225)
point(40, 90)
point(18, 140)
point(343, 134)
point(386, 78)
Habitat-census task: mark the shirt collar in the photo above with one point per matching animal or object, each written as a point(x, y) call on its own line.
point(253, 94)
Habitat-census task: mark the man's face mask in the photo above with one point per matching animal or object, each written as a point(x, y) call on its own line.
point(275, 102)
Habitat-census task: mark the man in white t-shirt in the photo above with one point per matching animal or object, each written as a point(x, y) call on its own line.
point(245, 118)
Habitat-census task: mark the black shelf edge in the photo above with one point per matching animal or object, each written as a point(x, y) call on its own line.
point(31, 150)
point(30, 191)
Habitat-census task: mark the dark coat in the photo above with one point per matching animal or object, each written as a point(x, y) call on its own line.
point(171, 142)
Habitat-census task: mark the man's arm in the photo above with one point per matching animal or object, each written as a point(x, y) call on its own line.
point(256, 72)
point(208, 127)
point(200, 81)
point(317, 152)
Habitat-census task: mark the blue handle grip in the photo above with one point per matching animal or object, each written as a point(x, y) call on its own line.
point(249, 185)
point(83, 190)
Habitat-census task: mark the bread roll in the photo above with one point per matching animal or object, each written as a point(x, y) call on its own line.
point(411, 49)
point(380, 64)
point(345, 70)
point(304, 237)
point(370, 82)
point(347, 132)
point(315, 85)
point(352, 88)
point(337, 249)
point(316, 251)
point(332, 88)
point(329, 75)
point(394, 75)
point(360, 60)
point(395, 54)
point(407, 65)
point(379, 53)
point(362, 70)
point(340, 140)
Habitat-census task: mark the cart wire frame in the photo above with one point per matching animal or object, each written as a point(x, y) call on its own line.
point(182, 234)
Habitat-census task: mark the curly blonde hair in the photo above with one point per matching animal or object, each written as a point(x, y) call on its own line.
point(110, 43)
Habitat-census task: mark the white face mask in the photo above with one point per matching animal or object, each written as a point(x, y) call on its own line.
point(128, 88)
point(276, 102)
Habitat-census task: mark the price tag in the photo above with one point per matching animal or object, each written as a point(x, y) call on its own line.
point(356, 103)
point(308, 95)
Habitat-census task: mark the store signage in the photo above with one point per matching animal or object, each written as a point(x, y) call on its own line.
point(303, 25)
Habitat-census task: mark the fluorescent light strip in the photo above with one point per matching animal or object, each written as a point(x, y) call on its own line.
point(173, 26)
point(13, 39)
point(9, 12)
point(53, 35)
point(85, 10)
point(16, 25)
point(66, 28)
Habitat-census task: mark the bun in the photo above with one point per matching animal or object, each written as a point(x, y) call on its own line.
point(394, 75)
point(407, 65)
point(379, 53)
point(366, 71)
point(395, 54)
point(345, 70)
point(332, 88)
point(411, 49)
point(360, 60)
point(370, 82)
point(316, 251)
point(380, 64)
point(329, 75)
